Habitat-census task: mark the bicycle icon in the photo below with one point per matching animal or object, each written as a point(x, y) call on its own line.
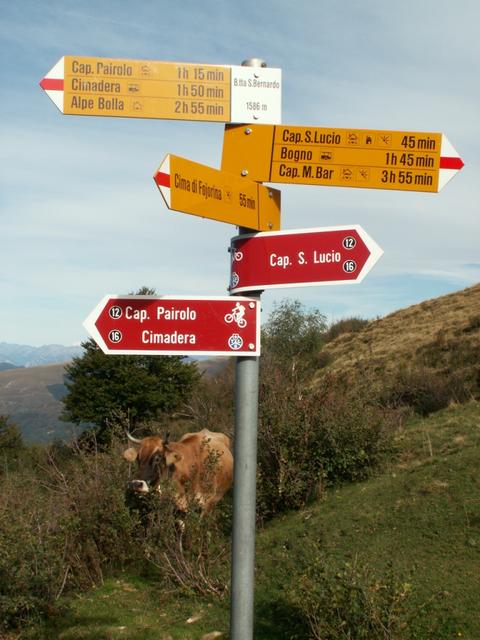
point(236, 315)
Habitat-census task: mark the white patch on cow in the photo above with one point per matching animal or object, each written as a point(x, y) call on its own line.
point(141, 488)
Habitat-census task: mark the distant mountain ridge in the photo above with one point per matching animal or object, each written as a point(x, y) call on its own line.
point(21, 355)
point(31, 398)
point(5, 366)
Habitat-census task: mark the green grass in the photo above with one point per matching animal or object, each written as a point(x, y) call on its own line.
point(129, 607)
point(420, 517)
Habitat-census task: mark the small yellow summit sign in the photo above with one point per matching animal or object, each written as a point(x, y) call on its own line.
point(194, 188)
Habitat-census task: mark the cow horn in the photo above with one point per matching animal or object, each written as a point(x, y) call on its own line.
point(167, 438)
point(132, 439)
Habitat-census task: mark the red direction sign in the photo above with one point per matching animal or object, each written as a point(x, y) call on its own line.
point(298, 258)
point(166, 325)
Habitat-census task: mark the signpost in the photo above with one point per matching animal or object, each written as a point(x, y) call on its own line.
point(306, 257)
point(202, 191)
point(260, 152)
point(365, 158)
point(166, 325)
point(90, 86)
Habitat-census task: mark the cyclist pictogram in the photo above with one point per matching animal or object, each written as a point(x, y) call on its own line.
point(237, 315)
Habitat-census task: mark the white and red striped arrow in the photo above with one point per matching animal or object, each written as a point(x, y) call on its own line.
point(162, 180)
point(53, 83)
point(450, 162)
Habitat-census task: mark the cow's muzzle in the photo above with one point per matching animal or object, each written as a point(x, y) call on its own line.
point(138, 486)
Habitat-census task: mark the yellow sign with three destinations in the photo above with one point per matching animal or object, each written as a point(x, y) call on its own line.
point(194, 188)
point(88, 86)
point(365, 158)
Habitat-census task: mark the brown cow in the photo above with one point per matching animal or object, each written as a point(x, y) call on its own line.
point(200, 463)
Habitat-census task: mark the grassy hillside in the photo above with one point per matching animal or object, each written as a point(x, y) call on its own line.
point(441, 335)
point(419, 520)
point(31, 397)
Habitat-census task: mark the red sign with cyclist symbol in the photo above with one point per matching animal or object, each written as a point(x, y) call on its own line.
point(150, 325)
point(306, 257)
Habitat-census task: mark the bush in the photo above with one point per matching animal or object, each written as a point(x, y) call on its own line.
point(311, 439)
point(66, 523)
point(189, 550)
point(100, 527)
point(32, 561)
point(11, 445)
point(292, 339)
point(348, 600)
point(346, 325)
point(62, 525)
point(422, 390)
point(212, 403)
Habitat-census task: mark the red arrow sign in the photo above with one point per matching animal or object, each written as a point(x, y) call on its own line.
point(166, 325)
point(307, 257)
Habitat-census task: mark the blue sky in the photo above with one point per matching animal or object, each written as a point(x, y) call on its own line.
point(80, 215)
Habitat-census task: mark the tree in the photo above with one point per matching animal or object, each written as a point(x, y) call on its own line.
point(102, 388)
point(292, 337)
point(11, 443)
point(105, 388)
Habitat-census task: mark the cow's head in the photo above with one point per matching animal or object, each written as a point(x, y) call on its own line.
point(156, 461)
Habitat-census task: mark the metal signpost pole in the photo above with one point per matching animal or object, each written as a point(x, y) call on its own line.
point(244, 483)
point(244, 496)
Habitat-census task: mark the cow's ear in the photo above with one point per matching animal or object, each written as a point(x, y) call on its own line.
point(130, 454)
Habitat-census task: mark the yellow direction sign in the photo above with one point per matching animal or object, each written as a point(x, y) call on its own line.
point(193, 188)
point(372, 159)
point(172, 90)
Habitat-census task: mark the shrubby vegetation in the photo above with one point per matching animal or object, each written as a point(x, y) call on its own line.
point(66, 523)
point(422, 390)
point(310, 440)
point(348, 600)
point(346, 325)
point(63, 524)
point(292, 339)
point(11, 445)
